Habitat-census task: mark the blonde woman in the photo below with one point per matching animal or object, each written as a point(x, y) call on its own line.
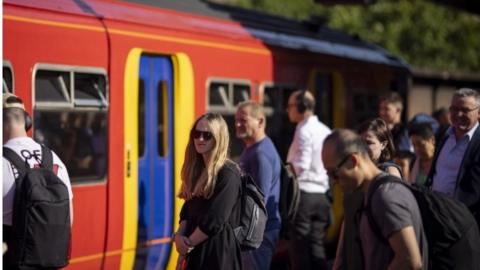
point(211, 189)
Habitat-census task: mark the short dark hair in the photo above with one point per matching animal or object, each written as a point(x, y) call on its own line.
point(347, 142)
point(423, 130)
point(383, 134)
point(392, 98)
point(438, 113)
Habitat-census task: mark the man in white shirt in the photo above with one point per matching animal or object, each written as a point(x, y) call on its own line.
point(16, 123)
point(305, 154)
point(455, 169)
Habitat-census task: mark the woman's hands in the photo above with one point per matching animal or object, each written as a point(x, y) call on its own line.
point(183, 245)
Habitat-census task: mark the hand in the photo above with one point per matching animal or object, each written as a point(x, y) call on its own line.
point(182, 244)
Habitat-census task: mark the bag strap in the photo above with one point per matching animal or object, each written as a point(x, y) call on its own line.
point(380, 180)
point(47, 158)
point(15, 159)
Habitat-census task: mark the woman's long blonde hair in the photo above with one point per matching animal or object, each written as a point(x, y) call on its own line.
point(194, 183)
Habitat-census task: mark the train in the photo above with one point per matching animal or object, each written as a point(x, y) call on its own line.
point(114, 86)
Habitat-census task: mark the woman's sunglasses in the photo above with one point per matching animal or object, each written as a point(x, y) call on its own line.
point(206, 135)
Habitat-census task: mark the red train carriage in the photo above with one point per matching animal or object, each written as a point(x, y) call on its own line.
point(114, 87)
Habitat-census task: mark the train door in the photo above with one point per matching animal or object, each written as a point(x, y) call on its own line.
point(155, 162)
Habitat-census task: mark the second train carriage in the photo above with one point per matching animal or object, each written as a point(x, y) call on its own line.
point(115, 86)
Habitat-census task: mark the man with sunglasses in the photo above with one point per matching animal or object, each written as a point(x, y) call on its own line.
point(313, 216)
point(393, 207)
point(261, 160)
point(455, 169)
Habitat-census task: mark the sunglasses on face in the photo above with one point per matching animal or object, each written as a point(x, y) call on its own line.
point(206, 135)
point(334, 173)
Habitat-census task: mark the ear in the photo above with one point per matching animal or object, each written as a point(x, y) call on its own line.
point(383, 144)
point(355, 159)
point(261, 121)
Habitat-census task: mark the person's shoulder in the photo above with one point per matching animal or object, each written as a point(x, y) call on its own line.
point(392, 191)
point(230, 168)
point(318, 127)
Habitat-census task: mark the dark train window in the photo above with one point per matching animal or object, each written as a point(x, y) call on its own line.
point(90, 90)
point(241, 92)
point(7, 79)
point(141, 118)
point(324, 97)
point(76, 130)
point(279, 128)
point(218, 94)
point(224, 96)
point(52, 86)
point(161, 121)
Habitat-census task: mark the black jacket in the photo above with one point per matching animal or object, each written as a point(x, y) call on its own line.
point(468, 178)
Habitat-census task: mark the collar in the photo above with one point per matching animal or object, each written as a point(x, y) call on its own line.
point(17, 139)
point(306, 120)
point(469, 134)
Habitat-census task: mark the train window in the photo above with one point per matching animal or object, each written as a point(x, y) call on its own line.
point(241, 92)
point(141, 118)
point(162, 122)
point(279, 128)
point(218, 94)
point(223, 96)
point(52, 86)
point(77, 129)
point(7, 78)
point(324, 97)
point(90, 90)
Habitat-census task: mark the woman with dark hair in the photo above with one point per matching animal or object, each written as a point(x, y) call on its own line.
point(380, 145)
point(211, 187)
point(423, 140)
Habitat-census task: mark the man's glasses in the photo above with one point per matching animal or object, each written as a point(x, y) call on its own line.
point(454, 109)
point(206, 135)
point(334, 173)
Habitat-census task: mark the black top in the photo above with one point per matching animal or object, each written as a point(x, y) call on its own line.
point(216, 217)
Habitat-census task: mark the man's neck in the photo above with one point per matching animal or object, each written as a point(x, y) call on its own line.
point(16, 134)
point(371, 171)
point(305, 115)
point(255, 139)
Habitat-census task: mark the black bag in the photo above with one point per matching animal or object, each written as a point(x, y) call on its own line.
point(253, 215)
point(452, 232)
point(289, 197)
point(41, 214)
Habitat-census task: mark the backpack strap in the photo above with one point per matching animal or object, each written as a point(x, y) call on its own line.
point(47, 158)
point(15, 159)
point(380, 180)
point(385, 165)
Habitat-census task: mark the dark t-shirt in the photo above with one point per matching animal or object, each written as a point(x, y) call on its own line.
point(393, 208)
point(263, 163)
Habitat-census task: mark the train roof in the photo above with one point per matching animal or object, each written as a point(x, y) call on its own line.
point(310, 35)
point(218, 19)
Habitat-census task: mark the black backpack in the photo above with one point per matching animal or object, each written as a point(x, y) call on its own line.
point(451, 230)
point(289, 197)
point(253, 215)
point(41, 214)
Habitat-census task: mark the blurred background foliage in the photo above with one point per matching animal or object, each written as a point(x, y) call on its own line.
point(425, 34)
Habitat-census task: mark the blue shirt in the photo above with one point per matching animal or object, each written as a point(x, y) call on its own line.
point(449, 161)
point(262, 162)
